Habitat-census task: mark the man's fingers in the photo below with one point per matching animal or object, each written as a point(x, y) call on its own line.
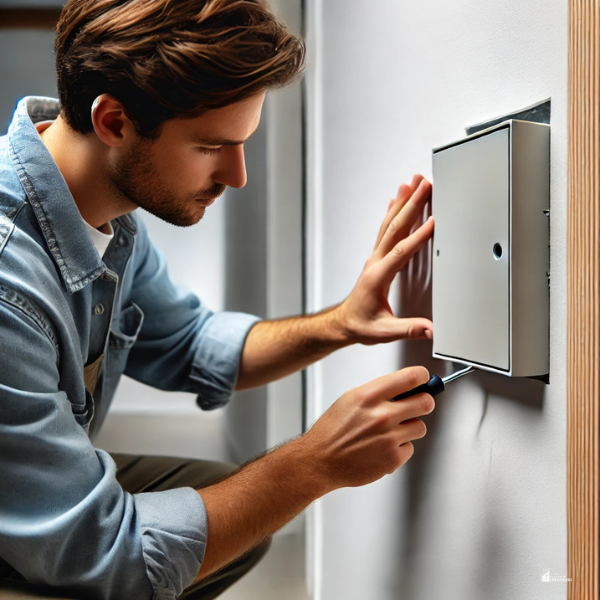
point(401, 253)
point(407, 450)
point(404, 415)
point(413, 185)
point(407, 412)
point(395, 206)
point(389, 386)
point(412, 328)
point(410, 409)
point(416, 180)
point(399, 227)
point(411, 429)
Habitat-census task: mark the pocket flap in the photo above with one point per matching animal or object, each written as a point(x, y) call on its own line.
point(129, 325)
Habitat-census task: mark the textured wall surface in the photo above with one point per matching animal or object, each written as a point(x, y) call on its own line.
point(480, 511)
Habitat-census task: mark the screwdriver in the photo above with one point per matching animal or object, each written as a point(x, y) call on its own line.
point(436, 385)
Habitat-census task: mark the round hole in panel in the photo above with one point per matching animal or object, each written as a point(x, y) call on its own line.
point(497, 251)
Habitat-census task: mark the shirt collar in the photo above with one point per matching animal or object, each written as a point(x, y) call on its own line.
point(58, 216)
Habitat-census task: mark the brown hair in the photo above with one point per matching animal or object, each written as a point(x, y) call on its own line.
point(169, 58)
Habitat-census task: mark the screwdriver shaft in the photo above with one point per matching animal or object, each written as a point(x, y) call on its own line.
point(457, 374)
point(435, 385)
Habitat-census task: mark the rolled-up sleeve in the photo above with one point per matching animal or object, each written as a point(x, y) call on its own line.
point(216, 361)
point(172, 537)
point(64, 519)
point(182, 345)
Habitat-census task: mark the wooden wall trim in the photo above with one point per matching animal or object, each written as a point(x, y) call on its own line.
point(28, 18)
point(583, 353)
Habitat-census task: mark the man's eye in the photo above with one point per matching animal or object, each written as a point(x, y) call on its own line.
point(209, 151)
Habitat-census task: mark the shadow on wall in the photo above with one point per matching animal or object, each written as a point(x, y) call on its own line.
point(415, 300)
point(246, 289)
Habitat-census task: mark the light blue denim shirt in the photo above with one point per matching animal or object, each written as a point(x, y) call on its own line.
point(64, 519)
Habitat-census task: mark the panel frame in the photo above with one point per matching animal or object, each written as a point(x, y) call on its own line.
point(529, 297)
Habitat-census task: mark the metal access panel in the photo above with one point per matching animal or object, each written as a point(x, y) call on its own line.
point(490, 250)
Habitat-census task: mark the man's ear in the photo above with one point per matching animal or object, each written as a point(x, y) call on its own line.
point(110, 122)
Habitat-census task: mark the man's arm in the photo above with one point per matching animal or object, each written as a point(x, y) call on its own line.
point(65, 520)
point(362, 437)
point(274, 349)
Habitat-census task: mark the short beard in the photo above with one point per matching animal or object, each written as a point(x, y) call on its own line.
point(136, 179)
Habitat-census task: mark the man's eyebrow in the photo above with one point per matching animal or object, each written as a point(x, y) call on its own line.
point(220, 141)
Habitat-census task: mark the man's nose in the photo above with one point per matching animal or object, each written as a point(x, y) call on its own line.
point(231, 170)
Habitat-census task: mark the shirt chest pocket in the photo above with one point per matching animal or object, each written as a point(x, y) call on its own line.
point(121, 338)
point(125, 331)
point(123, 334)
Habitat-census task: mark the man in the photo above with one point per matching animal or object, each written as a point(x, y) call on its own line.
point(157, 98)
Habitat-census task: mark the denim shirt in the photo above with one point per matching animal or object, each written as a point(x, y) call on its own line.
point(69, 318)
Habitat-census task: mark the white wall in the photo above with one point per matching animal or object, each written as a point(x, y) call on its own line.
point(480, 511)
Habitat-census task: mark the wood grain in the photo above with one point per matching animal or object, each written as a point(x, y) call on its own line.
point(583, 353)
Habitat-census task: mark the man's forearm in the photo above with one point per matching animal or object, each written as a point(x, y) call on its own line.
point(274, 349)
point(359, 439)
point(255, 502)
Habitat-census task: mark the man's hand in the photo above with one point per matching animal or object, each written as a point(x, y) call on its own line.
point(362, 437)
point(365, 316)
point(274, 349)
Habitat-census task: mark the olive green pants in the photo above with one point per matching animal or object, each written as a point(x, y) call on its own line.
point(152, 474)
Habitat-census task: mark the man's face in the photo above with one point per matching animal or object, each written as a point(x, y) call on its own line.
point(184, 170)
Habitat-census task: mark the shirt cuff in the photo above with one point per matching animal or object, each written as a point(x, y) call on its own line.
point(216, 362)
point(173, 526)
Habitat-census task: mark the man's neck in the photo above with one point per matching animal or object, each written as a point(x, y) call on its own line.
point(82, 160)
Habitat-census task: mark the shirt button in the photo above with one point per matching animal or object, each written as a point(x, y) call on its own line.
point(99, 309)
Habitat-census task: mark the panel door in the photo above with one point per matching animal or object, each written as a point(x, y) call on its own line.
point(471, 250)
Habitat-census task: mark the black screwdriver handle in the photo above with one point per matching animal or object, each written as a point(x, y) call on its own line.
point(433, 387)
